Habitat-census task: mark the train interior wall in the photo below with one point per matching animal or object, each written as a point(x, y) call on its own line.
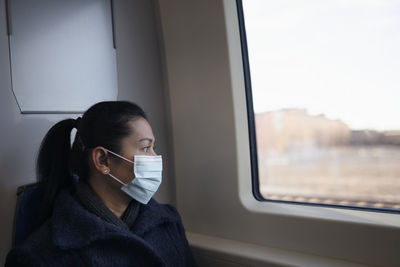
point(226, 225)
point(180, 60)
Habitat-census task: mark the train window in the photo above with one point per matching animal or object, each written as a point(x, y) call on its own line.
point(323, 101)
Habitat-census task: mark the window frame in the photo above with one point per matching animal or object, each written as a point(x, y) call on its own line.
point(252, 131)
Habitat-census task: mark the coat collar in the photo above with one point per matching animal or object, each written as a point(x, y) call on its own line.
point(73, 226)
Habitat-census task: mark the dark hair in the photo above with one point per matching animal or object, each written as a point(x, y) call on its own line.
point(103, 124)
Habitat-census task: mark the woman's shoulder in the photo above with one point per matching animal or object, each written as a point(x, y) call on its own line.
point(21, 257)
point(154, 216)
point(167, 210)
point(28, 253)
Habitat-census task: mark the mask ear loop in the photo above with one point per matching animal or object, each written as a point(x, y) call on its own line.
point(116, 179)
point(112, 176)
point(119, 156)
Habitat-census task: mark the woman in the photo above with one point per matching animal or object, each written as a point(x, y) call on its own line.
point(108, 217)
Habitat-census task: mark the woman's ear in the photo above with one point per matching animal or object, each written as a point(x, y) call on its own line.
point(100, 160)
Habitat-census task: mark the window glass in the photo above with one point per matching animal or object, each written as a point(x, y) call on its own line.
point(326, 93)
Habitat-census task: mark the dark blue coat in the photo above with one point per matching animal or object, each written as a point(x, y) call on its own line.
point(75, 237)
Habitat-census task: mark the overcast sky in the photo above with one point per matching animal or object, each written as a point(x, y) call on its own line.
point(339, 58)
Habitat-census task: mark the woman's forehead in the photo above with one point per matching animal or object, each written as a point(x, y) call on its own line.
point(141, 129)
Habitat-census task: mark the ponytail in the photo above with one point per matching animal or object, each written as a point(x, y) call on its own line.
point(53, 172)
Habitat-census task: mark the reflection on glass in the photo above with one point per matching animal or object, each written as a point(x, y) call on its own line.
point(325, 90)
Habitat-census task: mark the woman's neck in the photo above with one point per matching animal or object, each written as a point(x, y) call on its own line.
point(116, 201)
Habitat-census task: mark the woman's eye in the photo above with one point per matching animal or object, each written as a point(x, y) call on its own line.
point(146, 149)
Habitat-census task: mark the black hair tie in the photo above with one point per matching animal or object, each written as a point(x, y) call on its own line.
point(77, 122)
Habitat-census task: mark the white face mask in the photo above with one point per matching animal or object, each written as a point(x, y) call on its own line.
point(148, 173)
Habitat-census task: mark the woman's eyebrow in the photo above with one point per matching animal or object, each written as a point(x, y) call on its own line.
point(146, 139)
